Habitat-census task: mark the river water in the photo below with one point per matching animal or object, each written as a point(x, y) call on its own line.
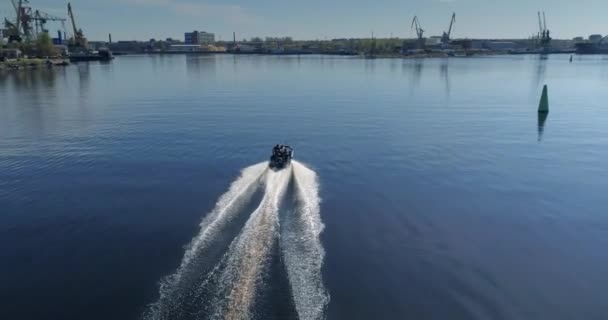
point(443, 194)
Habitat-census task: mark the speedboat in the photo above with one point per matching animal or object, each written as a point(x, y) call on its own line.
point(281, 157)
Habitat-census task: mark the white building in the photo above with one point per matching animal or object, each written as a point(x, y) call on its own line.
point(206, 37)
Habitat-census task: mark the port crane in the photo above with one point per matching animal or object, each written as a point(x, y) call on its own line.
point(41, 18)
point(23, 24)
point(419, 31)
point(78, 40)
point(445, 38)
point(544, 34)
point(29, 22)
point(11, 31)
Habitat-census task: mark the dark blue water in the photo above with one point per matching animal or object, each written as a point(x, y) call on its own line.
point(444, 195)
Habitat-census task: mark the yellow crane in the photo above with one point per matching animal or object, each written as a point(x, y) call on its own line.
point(78, 40)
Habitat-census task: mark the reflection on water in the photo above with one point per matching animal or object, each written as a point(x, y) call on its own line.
point(151, 150)
point(201, 66)
point(444, 71)
point(84, 77)
point(370, 66)
point(43, 78)
point(3, 77)
point(413, 69)
point(393, 65)
point(418, 66)
point(235, 62)
point(40, 102)
point(542, 117)
point(540, 70)
point(84, 84)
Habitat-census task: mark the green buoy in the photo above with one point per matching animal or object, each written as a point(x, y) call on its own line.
point(543, 106)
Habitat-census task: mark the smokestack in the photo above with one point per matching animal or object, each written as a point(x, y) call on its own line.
point(110, 38)
point(59, 36)
point(234, 37)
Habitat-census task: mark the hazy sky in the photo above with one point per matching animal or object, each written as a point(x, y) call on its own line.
point(318, 19)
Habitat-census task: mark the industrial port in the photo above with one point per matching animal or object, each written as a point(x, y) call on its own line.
point(27, 40)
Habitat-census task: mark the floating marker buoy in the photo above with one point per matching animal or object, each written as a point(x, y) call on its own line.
point(543, 106)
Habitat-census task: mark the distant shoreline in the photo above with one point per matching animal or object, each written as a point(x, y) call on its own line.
point(376, 56)
point(34, 63)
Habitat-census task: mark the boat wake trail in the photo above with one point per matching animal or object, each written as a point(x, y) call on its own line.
point(176, 289)
point(302, 250)
point(216, 281)
point(250, 252)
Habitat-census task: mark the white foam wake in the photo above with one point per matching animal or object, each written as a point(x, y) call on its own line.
point(227, 207)
point(250, 252)
point(228, 290)
point(302, 250)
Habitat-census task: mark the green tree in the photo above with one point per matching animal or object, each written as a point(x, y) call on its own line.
point(44, 45)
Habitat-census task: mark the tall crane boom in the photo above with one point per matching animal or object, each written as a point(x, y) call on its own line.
point(452, 23)
point(24, 19)
point(419, 32)
point(416, 26)
point(544, 35)
point(15, 5)
point(42, 15)
point(79, 39)
point(445, 38)
point(11, 31)
point(71, 14)
point(29, 22)
point(41, 18)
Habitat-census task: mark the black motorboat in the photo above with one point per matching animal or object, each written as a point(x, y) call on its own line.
point(281, 157)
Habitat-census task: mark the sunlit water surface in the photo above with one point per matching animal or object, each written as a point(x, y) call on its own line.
point(444, 195)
